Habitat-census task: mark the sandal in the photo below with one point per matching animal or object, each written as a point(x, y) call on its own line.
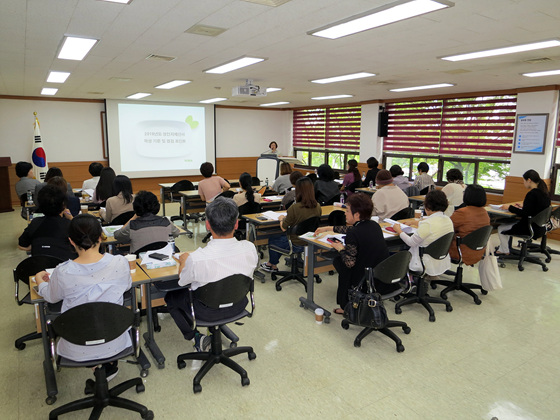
point(338, 311)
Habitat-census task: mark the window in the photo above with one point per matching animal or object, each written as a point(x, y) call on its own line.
point(474, 135)
point(327, 135)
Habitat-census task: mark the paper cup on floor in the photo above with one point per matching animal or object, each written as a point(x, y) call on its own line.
point(319, 314)
point(131, 258)
point(84, 209)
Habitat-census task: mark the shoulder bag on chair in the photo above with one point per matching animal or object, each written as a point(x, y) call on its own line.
point(365, 309)
point(489, 273)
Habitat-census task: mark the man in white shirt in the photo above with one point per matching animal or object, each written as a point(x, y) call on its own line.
point(95, 170)
point(222, 257)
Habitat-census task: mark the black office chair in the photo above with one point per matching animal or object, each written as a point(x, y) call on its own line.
point(121, 219)
point(183, 185)
point(542, 247)
point(308, 225)
point(476, 241)
point(352, 187)
point(330, 201)
point(337, 218)
point(391, 270)
point(411, 191)
point(406, 213)
point(536, 230)
point(255, 181)
point(224, 293)
point(88, 325)
point(25, 269)
point(437, 250)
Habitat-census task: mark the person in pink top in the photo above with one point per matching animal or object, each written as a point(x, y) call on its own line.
point(210, 186)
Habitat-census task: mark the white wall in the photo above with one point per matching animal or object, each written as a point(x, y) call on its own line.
point(71, 131)
point(248, 132)
point(537, 103)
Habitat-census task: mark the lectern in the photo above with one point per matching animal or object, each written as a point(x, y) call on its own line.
point(5, 196)
point(268, 166)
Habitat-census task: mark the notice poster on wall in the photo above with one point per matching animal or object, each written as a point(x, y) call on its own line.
point(530, 133)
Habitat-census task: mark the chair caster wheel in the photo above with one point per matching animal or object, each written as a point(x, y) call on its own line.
point(140, 388)
point(521, 268)
point(484, 292)
point(50, 400)
point(144, 373)
point(327, 320)
point(197, 388)
point(157, 328)
point(443, 296)
point(344, 324)
point(20, 346)
point(545, 269)
point(161, 365)
point(273, 276)
point(149, 415)
point(502, 265)
point(357, 343)
point(433, 286)
point(252, 355)
point(190, 236)
point(182, 365)
point(245, 381)
point(406, 330)
point(278, 287)
point(449, 308)
point(477, 301)
point(398, 311)
point(548, 260)
point(432, 318)
point(232, 345)
point(318, 279)
point(90, 387)
point(400, 348)
point(331, 273)
point(261, 254)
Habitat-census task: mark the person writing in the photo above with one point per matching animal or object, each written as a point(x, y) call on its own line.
point(91, 277)
point(222, 257)
point(389, 199)
point(364, 246)
point(326, 190)
point(399, 179)
point(536, 200)
point(211, 186)
point(119, 203)
point(423, 180)
point(373, 169)
point(282, 183)
point(290, 196)
point(247, 195)
point(94, 170)
point(454, 190)
point(353, 176)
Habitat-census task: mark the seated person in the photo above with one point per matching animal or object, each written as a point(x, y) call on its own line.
point(146, 227)
point(282, 183)
point(372, 165)
point(72, 202)
point(468, 219)
point(304, 208)
point(222, 257)
point(51, 173)
point(94, 170)
point(104, 188)
point(91, 277)
point(272, 149)
point(388, 199)
point(454, 190)
point(325, 187)
point(247, 195)
point(399, 179)
point(430, 228)
point(211, 186)
point(290, 197)
point(351, 177)
point(423, 180)
point(364, 246)
point(48, 235)
point(119, 203)
point(27, 182)
point(535, 201)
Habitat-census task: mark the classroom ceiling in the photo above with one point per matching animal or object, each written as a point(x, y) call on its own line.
point(402, 54)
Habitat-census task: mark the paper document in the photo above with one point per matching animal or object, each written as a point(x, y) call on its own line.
point(151, 263)
point(88, 191)
point(496, 206)
point(110, 230)
point(272, 197)
point(273, 215)
point(405, 228)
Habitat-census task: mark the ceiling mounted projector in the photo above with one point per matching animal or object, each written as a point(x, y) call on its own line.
point(248, 90)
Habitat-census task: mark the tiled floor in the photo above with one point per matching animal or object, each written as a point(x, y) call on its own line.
point(500, 359)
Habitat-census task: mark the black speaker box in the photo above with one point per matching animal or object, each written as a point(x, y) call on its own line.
point(383, 124)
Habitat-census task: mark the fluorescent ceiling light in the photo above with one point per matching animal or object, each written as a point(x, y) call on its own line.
point(343, 78)
point(138, 95)
point(274, 103)
point(118, 1)
point(268, 90)
point(209, 101)
point(74, 48)
point(384, 15)
point(173, 84)
point(506, 50)
point(441, 85)
point(320, 98)
point(542, 73)
point(234, 65)
point(49, 91)
point(57, 77)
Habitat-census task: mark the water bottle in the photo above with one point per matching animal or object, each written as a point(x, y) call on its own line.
point(364, 176)
point(29, 197)
point(371, 185)
point(342, 199)
point(171, 242)
point(266, 182)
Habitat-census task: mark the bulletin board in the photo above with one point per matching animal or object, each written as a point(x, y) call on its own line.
point(530, 133)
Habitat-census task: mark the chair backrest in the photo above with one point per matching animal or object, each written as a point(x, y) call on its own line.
point(439, 248)
point(475, 240)
point(32, 265)
point(255, 182)
point(406, 213)
point(183, 185)
point(250, 208)
point(392, 269)
point(539, 222)
point(308, 225)
point(411, 191)
point(121, 219)
point(226, 194)
point(93, 323)
point(226, 292)
point(427, 189)
point(151, 247)
point(337, 218)
point(356, 184)
point(330, 201)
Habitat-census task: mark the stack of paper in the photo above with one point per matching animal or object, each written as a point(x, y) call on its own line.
point(273, 215)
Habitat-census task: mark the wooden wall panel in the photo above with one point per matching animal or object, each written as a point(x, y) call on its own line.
point(515, 190)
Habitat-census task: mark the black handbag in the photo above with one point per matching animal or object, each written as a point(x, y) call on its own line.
point(366, 309)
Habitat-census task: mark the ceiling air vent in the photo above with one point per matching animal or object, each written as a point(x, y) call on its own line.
point(538, 60)
point(160, 57)
point(205, 30)
point(272, 3)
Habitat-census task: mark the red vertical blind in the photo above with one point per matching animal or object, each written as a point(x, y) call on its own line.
point(335, 128)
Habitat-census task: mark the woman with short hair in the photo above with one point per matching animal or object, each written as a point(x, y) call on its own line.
point(325, 187)
point(372, 164)
point(282, 183)
point(454, 190)
point(211, 186)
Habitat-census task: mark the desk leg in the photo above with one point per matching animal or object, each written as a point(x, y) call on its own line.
point(162, 193)
point(149, 335)
point(142, 359)
point(48, 368)
point(307, 302)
